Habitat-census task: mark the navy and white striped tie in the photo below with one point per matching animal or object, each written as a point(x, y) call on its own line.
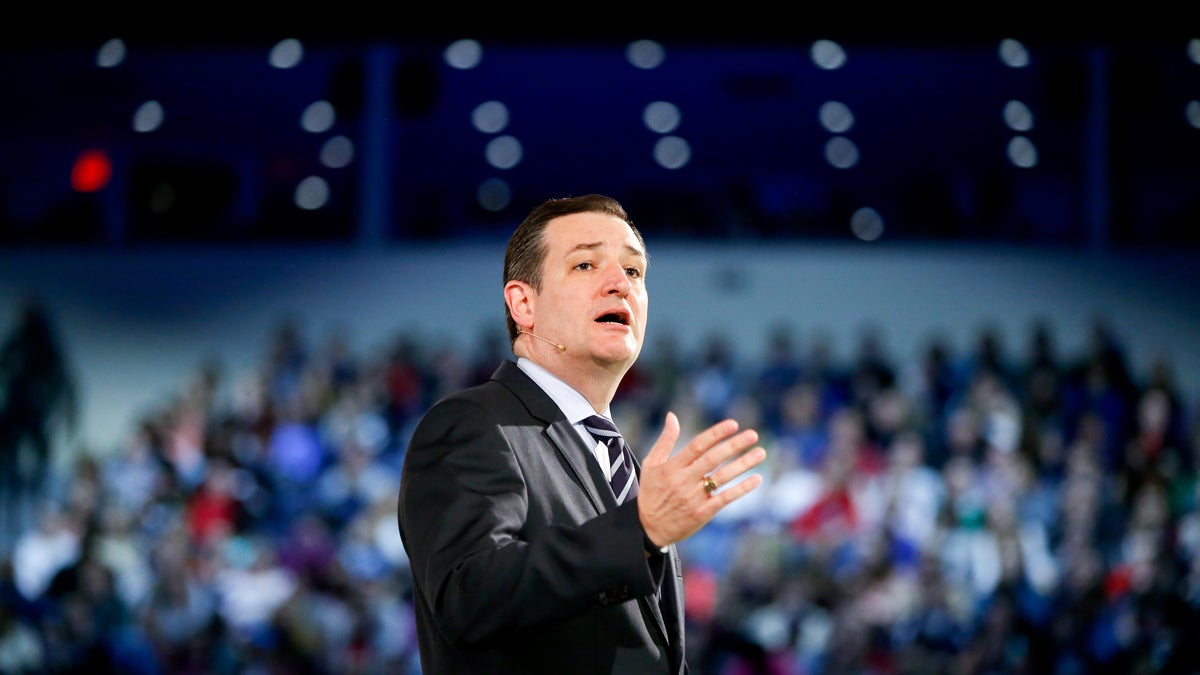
point(622, 477)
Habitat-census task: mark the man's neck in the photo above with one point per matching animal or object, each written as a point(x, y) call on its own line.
point(599, 386)
point(596, 382)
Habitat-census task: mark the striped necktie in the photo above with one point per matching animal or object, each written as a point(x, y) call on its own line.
point(622, 477)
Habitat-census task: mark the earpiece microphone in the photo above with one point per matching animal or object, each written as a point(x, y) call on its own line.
point(561, 348)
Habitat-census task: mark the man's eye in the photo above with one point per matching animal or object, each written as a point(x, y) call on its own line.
point(583, 266)
point(634, 272)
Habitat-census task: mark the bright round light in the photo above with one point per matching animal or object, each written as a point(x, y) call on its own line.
point(672, 152)
point(841, 152)
point(503, 152)
point(148, 117)
point(111, 53)
point(337, 152)
point(866, 224)
point(1192, 113)
point(1013, 54)
point(836, 117)
point(490, 117)
point(312, 193)
point(661, 117)
point(1022, 152)
point(827, 54)
point(318, 117)
point(645, 54)
point(463, 54)
point(1018, 116)
point(286, 54)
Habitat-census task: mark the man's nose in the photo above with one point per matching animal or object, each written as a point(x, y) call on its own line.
point(617, 282)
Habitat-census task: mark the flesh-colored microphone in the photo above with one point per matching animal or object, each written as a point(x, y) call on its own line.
point(561, 348)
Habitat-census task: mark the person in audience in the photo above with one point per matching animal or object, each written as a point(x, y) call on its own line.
point(38, 400)
point(1047, 553)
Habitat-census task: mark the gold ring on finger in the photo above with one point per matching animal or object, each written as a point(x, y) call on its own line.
point(709, 484)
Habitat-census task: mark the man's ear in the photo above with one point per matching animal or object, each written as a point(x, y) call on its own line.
point(520, 298)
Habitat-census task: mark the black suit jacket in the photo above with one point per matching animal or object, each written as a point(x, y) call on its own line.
point(522, 561)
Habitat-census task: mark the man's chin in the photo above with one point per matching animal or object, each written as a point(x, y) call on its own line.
point(618, 355)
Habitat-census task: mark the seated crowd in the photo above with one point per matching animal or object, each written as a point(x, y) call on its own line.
point(976, 509)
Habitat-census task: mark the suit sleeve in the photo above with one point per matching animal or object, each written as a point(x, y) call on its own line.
point(476, 561)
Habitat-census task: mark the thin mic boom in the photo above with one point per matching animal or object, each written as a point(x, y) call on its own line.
point(561, 348)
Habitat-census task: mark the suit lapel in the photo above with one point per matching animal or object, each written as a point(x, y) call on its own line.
point(587, 473)
point(590, 477)
point(561, 434)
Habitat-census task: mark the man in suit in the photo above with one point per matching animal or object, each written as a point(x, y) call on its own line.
point(532, 548)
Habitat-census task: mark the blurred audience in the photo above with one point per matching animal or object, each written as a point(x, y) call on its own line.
point(38, 403)
point(976, 512)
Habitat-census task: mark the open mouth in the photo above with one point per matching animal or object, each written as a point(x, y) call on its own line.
point(617, 317)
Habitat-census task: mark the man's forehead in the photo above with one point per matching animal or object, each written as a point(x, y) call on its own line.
point(591, 231)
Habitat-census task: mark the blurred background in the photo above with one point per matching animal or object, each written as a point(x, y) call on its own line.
point(951, 276)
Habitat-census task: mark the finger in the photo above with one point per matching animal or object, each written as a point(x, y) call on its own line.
point(661, 450)
point(724, 451)
point(706, 439)
point(722, 498)
point(748, 460)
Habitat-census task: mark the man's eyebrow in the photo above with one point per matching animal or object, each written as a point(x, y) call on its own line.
point(589, 246)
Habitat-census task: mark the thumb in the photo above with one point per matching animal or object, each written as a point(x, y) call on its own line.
point(661, 451)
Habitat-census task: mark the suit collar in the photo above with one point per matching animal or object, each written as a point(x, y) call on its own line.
point(536, 401)
point(572, 403)
point(561, 433)
point(587, 474)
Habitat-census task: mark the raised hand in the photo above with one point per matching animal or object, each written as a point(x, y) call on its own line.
point(681, 492)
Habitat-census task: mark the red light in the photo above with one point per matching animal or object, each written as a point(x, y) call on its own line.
point(91, 172)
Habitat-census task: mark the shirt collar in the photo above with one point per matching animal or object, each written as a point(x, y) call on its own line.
point(571, 402)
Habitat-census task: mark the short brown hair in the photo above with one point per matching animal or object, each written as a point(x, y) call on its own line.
point(527, 246)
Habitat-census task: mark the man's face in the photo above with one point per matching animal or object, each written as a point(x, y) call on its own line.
point(593, 297)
